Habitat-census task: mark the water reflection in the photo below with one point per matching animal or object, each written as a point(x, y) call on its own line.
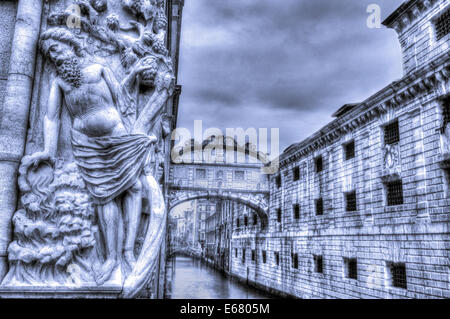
point(193, 279)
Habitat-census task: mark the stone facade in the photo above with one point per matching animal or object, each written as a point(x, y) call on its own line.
point(361, 208)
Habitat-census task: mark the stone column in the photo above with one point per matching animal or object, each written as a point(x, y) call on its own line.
point(14, 122)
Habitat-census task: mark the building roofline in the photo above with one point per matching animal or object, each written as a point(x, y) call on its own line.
point(398, 12)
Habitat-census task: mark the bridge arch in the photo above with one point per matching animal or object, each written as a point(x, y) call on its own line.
point(258, 203)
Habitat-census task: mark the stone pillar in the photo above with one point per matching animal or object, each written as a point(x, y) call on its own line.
point(14, 122)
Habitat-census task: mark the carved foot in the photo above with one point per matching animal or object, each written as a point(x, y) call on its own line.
point(105, 272)
point(130, 259)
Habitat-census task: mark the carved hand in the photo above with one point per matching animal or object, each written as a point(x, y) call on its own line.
point(39, 157)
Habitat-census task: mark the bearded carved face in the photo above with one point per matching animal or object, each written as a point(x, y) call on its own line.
point(148, 76)
point(58, 52)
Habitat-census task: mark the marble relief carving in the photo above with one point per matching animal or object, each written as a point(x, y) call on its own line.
point(80, 216)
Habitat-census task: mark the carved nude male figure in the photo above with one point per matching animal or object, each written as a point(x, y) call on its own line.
point(110, 157)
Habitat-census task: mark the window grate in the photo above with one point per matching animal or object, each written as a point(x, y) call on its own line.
point(391, 133)
point(296, 208)
point(278, 181)
point(394, 193)
point(279, 215)
point(443, 25)
point(200, 173)
point(318, 264)
point(398, 275)
point(352, 268)
point(296, 173)
point(350, 200)
point(294, 257)
point(277, 258)
point(349, 149)
point(319, 206)
point(318, 164)
point(264, 256)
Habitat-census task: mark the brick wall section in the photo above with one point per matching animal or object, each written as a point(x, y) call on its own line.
point(414, 234)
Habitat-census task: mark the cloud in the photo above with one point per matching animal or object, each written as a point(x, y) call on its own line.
point(287, 64)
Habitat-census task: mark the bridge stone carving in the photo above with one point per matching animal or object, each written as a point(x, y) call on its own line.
point(244, 184)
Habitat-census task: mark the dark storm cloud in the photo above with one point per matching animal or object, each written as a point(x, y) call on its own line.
point(287, 64)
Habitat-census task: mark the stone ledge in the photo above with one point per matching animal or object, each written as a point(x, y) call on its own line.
point(37, 292)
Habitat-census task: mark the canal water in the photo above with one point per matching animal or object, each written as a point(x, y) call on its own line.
point(193, 279)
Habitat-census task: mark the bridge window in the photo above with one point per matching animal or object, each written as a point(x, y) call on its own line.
point(296, 208)
point(276, 254)
point(319, 206)
point(264, 256)
point(318, 264)
point(239, 175)
point(296, 173)
point(200, 173)
point(394, 192)
point(350, 201)
point(279, 215)
point(243, 255)
point(397, 274)
point(278, 180)
point(391, 133)
point(318, 163)
point(294, 258)
point(349, 150)
point(442, 25)
point(351, 268)
point(253, 255)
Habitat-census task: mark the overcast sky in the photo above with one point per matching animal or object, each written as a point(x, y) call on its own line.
point(281, 63)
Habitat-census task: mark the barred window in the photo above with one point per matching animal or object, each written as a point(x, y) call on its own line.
point(239, 175)
point(294, 257)
point(279, 215)
point(394, 193)
point(243, 255)
point(264, 256)
point(296, 208)
point(253, 255)
point(446, 112)
point(277, 258)
point(278, 181)
point(318, 162)
point(391, 133)
point(442, 25)
point(319, 206)
point(200, 173)
point(350, 201)
point(296, 173)
point(318, 264)
point(349, 149)
point(398, 274)
point(351, 265)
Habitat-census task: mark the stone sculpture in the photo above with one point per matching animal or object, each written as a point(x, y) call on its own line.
point(83, 214)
